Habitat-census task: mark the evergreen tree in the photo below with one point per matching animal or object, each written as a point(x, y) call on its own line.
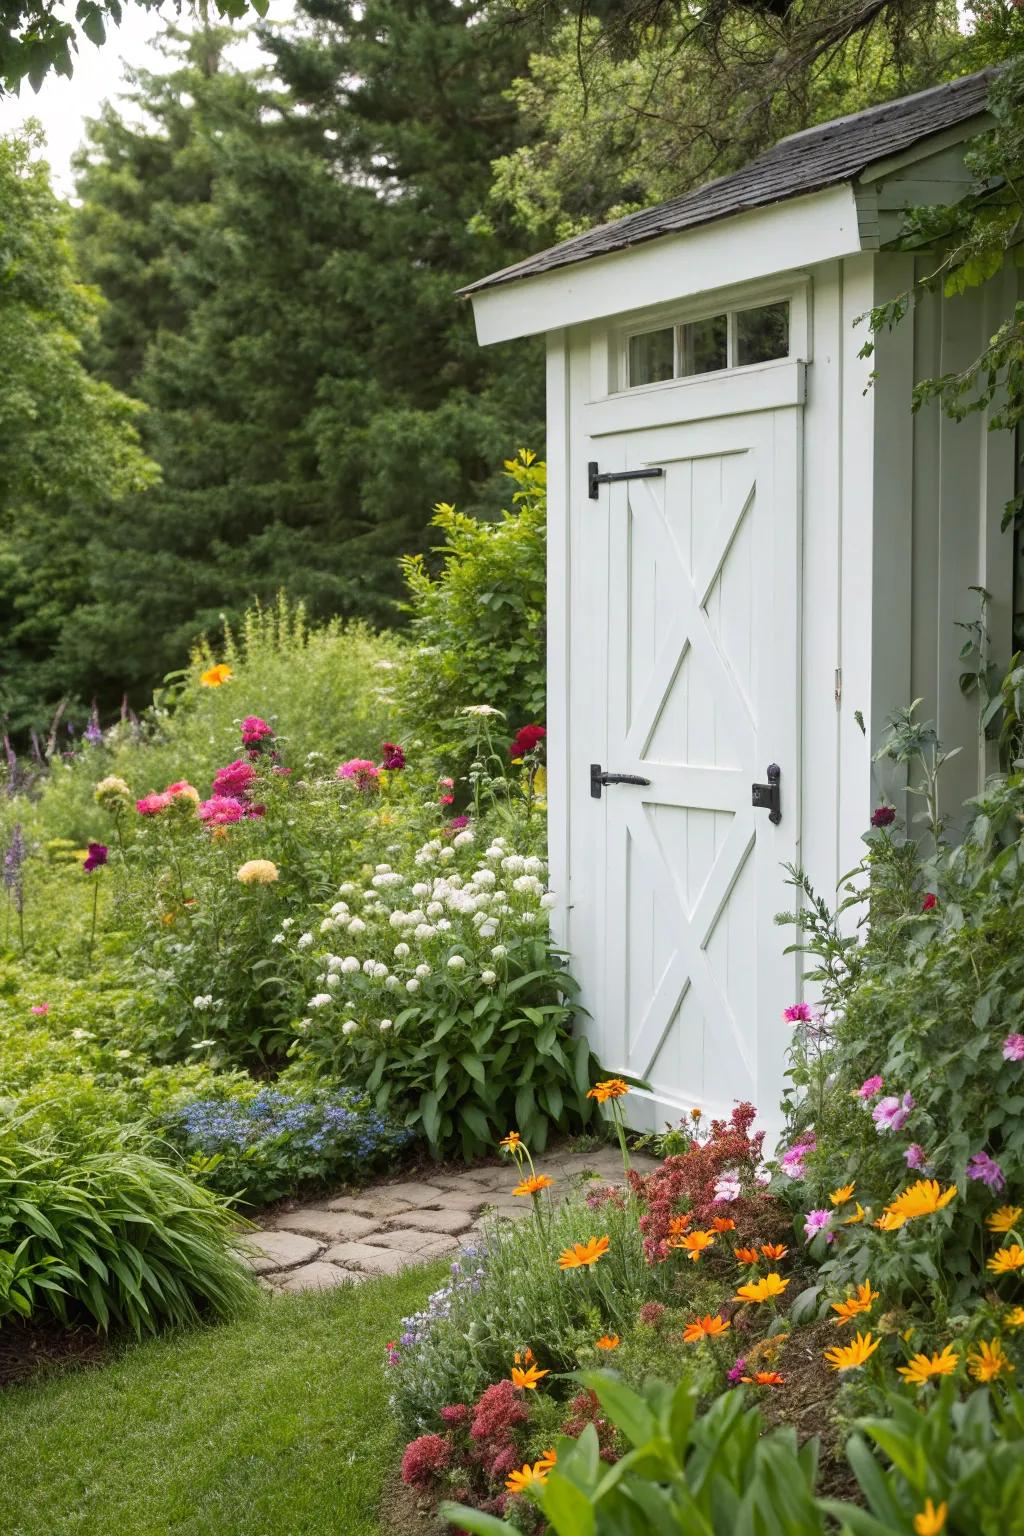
point(280, 259)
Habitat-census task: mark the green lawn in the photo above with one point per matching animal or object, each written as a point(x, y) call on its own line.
point(276, 1424)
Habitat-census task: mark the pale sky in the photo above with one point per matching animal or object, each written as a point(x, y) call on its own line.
point(62, 105)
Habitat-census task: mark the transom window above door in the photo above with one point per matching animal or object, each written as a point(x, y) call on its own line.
point(736, 338)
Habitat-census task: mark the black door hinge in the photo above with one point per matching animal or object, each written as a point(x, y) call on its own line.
point(594, 479)
point(599, 778)
point(768, 796)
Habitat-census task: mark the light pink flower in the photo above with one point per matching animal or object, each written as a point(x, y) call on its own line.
point(361, 770)
point(152, 804)
point(221, 810)
point(915, 1155)
point(1013, 1048)
point(39, 1008)
point(792, 1161)
point(817, 1221)
point(985, 1168)
point(890, 1114)
point(870, 1086)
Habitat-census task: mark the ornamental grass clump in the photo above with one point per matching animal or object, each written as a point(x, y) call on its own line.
point(111, 1235)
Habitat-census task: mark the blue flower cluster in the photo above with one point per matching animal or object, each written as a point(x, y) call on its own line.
point(467, 1273)
point(277, 1139)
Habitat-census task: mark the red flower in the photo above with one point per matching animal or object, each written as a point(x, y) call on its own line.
point(526, 739)
point(497, 1414)
point(883, 817)
point(930, 902)
point(424, 1459)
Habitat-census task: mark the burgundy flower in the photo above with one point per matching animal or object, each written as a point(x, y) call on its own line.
point(96, 857)
point(930, 902)
point(526, 739)
point(392, 758)
point(883, 817)
point(424, 1459)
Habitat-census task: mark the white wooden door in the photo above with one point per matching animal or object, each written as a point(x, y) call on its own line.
point(698, 574)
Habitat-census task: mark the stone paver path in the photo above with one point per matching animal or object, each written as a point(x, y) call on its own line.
point(385, 1228)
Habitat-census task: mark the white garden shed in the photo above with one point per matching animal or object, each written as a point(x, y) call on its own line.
point(749, 548)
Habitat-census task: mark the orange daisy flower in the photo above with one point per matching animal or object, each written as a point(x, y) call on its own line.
point(527, 1476)
point(856, 1218)
point(923, 1367)
point(746, 1255)
point(931, 1521)
point(680, 1224)
point(862, 1300)
point(1006, 1259)
point(524, 1373)
point(774, 1251)
point(533, 1186)
point(848, 1357)
point(762, 1290)
point(511, 1141)
point(840, 1196)
point(582, 1255)
point(764, 1379)
point(607, 1341)
point(694, 1243)
point(1005, 1218)
point(988, 1361)
point(706, 1327)
point(723, 1224)
point(215, 677)
point(611, 1088)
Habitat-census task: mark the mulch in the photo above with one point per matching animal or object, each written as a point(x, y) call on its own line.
point(28, 1351)
point(806, 1402)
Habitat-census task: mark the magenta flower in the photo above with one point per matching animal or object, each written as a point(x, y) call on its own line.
point(792, 1161)
point(235, 780)
point(739, 1370)
point(798, 1013)
point(930, 902)
point(361, 770)
point(915, 1155)
point(255, 730)
point(392, 758)
point(40, 1008)
point(1013, 1048)
point(883, 817)
point(456, 824)
point(892, 1114)
point(817, 1221)
point(870, 1086)
point(95, 858)
point(152, 804)
point(985, 1168)
point(221, 810)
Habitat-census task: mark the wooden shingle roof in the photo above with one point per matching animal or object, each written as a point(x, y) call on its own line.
point(833, 152)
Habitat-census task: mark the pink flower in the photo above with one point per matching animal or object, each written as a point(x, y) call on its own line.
point(221, 810)
point(255, 730)
point(985, 1168)
point(817, 1221)
point(883, 817)
point(455, 1413)
point(930, 902)
point(152, 804)
point(890, 1114)
point(738, 1371)
point(361, 770)
point(870, 1086)
point(915, 1155)
point(455, 824)
point(39, 1008)
point(392, 758)
point(446, 787)
point(1013, 1048)
point(792, 1161)
point(235, 780)
point(798, 1013)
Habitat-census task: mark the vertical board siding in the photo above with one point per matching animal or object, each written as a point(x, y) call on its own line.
point(559, 604)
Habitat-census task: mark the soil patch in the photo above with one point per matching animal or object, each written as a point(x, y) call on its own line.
point(806, 1402)
point(404, 1512)
point(29, 1350)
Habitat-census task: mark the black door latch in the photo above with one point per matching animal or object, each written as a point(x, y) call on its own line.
point(594, 479)
point(768, 797)
point(599, 778)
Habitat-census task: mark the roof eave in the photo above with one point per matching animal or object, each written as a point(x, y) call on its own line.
point(793, 234)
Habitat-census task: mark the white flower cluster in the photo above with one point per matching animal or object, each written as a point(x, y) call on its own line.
point(455, 918)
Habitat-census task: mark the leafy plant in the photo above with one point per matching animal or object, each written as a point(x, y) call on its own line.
point(112, 1234)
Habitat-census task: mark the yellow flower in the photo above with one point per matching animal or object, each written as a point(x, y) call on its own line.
point(931, 1521)
point(693, 1242)
point(762, 1290)
point(922, 1199)
point(923, 1367)
point(527, 1377)
point(840, 1196)
point(1006, 1259)
point(1015, 1318)
point(607, 1341)
point(511, 1141)
point(858, 1216)
point(582, 1255)
point(988, 1361)
point(533, 1186)
point(848, 1357)
point(861, 1301)
point(213, 677)
point(257, 872)
point(518, 1482)
point(611, 1088)
point(1006, 1217)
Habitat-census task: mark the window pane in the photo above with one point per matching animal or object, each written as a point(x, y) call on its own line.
point(704, 345)
point(651, 357)
point(762, 334)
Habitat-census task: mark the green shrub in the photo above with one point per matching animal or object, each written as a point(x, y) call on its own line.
point(111, 1233)
point(477, 630)
point(449, 1007)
